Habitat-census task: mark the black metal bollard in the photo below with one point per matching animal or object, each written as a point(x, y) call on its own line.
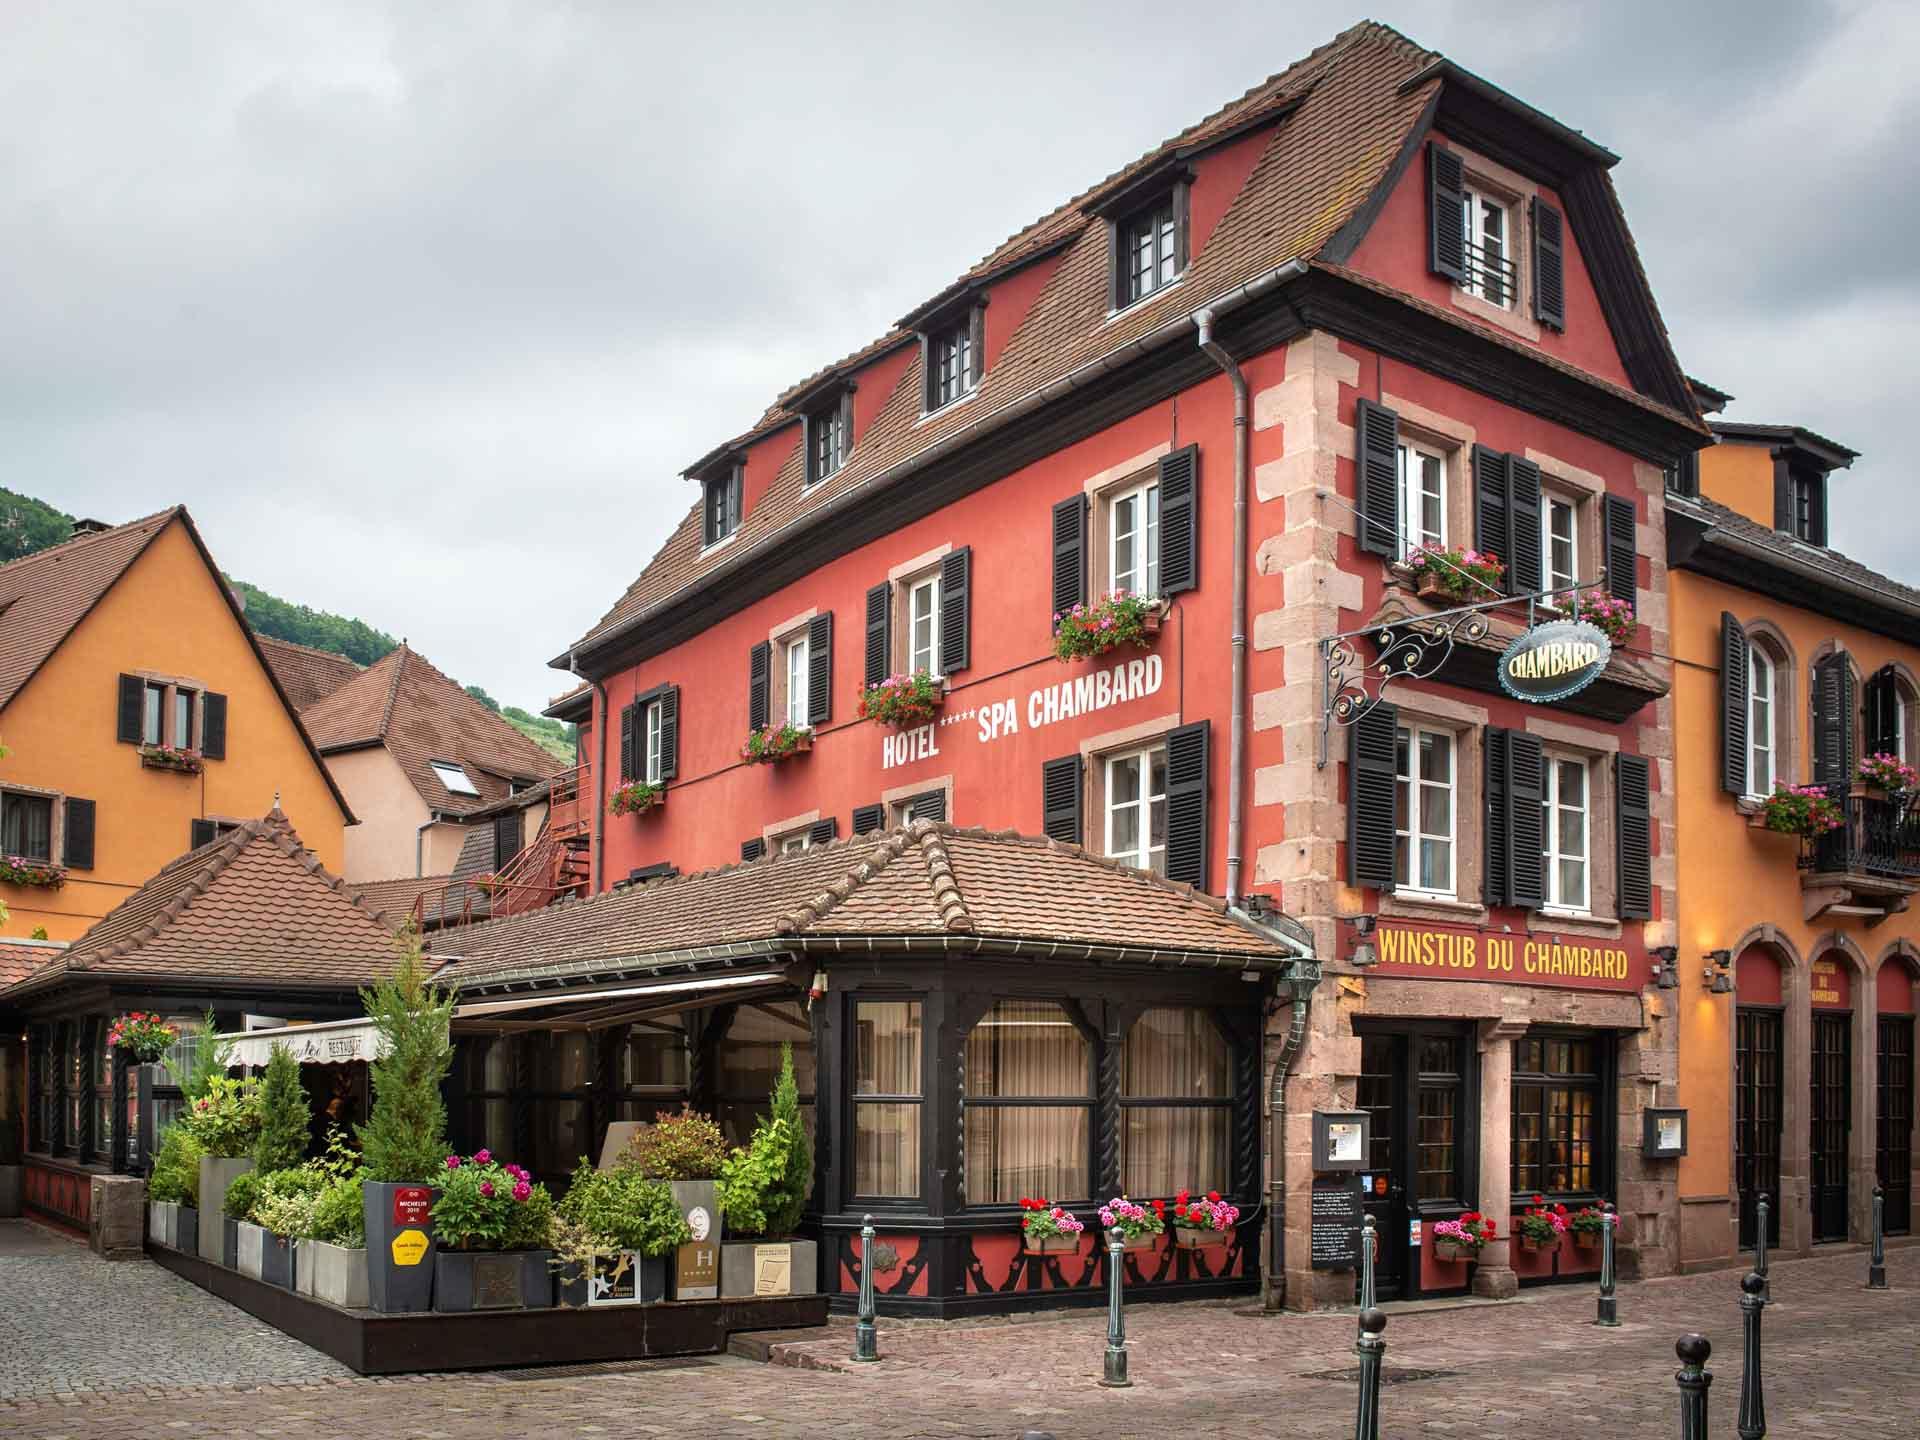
point(1760, 1252)
point(1753, 1404)
point(1607, 1308)
point(1369, 1243)
point(1371, 1347)
point(1877, 1263)
point(1114, 1374)
point(1694, 1379)
point(865, 1340)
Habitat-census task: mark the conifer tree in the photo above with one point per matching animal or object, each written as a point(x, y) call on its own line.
point(284, 1118)
point(788, 1195)
point(405, 1137)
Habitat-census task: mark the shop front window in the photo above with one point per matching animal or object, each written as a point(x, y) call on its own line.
point(562, 1069)
point(1176, 1088)
point(102, 1097)
point(749, 1063)
point(651, 1069)
point(486, 1106)
point(1557, 1115)
point(1029, 1105)
point(886, 1098)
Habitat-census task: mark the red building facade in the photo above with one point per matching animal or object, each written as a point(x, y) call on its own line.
point(1372, 303)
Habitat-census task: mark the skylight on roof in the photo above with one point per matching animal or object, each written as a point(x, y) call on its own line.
point(453, 777)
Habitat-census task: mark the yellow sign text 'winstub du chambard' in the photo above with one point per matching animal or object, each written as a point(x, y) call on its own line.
point(1498, 955)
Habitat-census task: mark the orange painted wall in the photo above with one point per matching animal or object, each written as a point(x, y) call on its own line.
point(165, 614)
point(1741, 478)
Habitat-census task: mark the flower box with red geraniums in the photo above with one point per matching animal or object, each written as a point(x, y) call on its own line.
point(1203, 1222)
point(1803, 810)
point(170, 757)
point(1613, 618)
point(1461, 1239)
point(776, 743)
point(1589, 1223)
point(903, 700)
point(1542, 1225)
point(1881, 771)
point(39, 874)
point(1460, 575)
point(635, 797)
point(142, 1033)
point(1049, 1229)
point(1122, 618)
point(1138, 1227)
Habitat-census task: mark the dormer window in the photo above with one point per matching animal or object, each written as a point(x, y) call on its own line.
point(953, 358)
point(1151, 247)
point(454, 777)
point(829, 436)
point(722, 504)
point(1807, 515)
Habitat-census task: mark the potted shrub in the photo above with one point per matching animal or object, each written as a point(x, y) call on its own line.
point(224, 1123)
point(1138, 1227)
point(903, 701)
point(1886, 774)
point(775, 743)
point(404, 1142)
point(1612, 618)
point(764, 1187)
point(635, 797)
point(1589, 1222)
point(173, 1192)
point(143, 1035)
point(1803, 810)
point(1049, 1229)
point(687, 1151)
point(171, 757)
point(1439, 573)
point(242, 1245)
point(492, 1225)
point(1122, 618)
point(1462, 1239)
point(282, 1212)
point(1542, 1225)
point(613, 1232)
point(332, 1260)
point(1203, 1222)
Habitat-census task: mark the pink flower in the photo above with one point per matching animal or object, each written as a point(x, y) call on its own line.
point(486, 1189)
point(482, 1157)
point(453, 1162)
point(521, 1191)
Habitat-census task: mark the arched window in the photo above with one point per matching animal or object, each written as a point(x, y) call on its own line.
point(1029, 1105)
point(748, 1063)
point(1176, 1088)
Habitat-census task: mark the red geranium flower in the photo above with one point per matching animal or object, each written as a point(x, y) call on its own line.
point(1213, 1196)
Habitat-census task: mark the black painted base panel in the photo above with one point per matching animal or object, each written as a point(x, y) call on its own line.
point(374, 1344)
point(1078, 1297)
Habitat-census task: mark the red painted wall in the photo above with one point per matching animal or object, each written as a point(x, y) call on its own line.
point(1756, 977)
point(1010, 301)
point(1395, 250)
point(1894, 987)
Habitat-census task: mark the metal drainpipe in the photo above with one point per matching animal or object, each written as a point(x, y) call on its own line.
point(1275, 1297)
point(599, 779)
point(1237, 725)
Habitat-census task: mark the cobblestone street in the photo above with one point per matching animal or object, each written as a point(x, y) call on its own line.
point(1839, 1361)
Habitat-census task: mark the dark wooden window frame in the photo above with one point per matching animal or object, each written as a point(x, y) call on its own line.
point(11, 798)
point(962, 324)
point(1601, 1082)
point(828, 435)
point(1893, 1059)
point(1091, 1101)
point(721, 497)
point(1747, 1123)
point(1122, 1102)
point(850, 1061)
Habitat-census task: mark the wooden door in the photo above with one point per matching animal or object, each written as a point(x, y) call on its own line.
point(1831, 1115)
point(1756, 1079)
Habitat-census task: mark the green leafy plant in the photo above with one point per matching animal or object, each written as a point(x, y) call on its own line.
point(142, 1034)
point(686, 1146)
point(1592, 1220)
point(750, 1180)
point(903, 700)
point(787, 1200)
point(624, 1210)
point(339, 1217)
point(1457, 574)
point(176, 1168)
point(288, 1199)
point(1805, 810)
point(207, 1058)
point(243, 1193)
point(284, 1119)
point(404, 1138)
point(775, 742)
point(226, 1120)
point(1122, 618)
point(485, 1205)
point(632, 798)
point(35, 874)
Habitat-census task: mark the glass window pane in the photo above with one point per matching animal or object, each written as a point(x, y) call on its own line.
point(1175, 1052)
point(150, 729)
point(748, 1058)
point(1027, 1048)
point(654, 1053)
point(887, 1048)
point(1166, 1148)
point(1029, 1150)
point(886, 1148)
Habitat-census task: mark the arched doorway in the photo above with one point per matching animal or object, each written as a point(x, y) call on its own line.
point(1830, 1101)
point(1894, 1112)
point(1759, 1057)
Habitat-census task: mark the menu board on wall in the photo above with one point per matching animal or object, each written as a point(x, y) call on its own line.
point(1337, 1215)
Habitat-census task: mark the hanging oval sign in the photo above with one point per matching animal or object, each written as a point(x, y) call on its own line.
point(1552, 661)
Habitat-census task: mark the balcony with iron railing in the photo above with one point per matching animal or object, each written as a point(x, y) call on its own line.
point(1870, 864)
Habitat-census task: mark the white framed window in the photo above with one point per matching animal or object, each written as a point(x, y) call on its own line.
point(1490, 266)
point(792, 842)
point(1762, 759)
point(923, 625)
point(796, 650)
point(1424, 809)
point(454, 777)
point(652, 769)
point(1566, 830)
point(153, 717)
point(1899, 723)
point(1134, 528)
point(1559, 546)
point(1423, 497)
point(1136, 797)
point(183, 713)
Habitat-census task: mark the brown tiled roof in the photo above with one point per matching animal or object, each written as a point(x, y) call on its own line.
point(1722, 521)
point(45, 594)
point(20, 958)
point(421, 715)
point(254, 905)
point(926, 882)
point(452, 896)
point(304, 673)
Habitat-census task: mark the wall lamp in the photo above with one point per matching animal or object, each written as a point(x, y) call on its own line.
point(1667, 974)
point(1719, 975)
point(1364, 954)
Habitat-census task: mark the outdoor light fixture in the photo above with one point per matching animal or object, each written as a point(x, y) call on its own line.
point(1364, 954)
point(1719, 975)
point(1363, 927)
point(1667, 974)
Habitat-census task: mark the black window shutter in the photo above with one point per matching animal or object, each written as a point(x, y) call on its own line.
point(1117, 262)
point(1634, 829)
point(1492, 528)
point(736, 497)
point(133, 698)
point(759, 677)
point(1783, 516)
point(1494, 883)
point(1069, 553)
point(1817, 511)
point(1372, 741)
point(879, 622)
point(929, 400)
point(659, 870)
point(956, 611)
point(627, 748)
point(929, 805)
point(506, 838)
point(201, 832)
point(822, 832)
point(1523, 514)
point(76, 851)
point(752, 849)
point(1377, 431)
point(1735, 674)
point(1549, 278)
point(1446, 225)
point(1180, 520)
point(846, 426)
point(977, 343)
point(1882, 713)
point(868, 818)
point(820, 669)
point(1617, 518)
point(213, 727)
point(1526, 780)
point(1187, 823)
point(1060, 792)
point(1833, 720)
point(670, 732)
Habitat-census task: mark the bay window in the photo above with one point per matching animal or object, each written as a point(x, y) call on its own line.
point(1029, 1105)
point(886, 1099)
point(1565, 803)
point(650, 1069)
point(1423, 812)
point(1176, 1088)
point(561, 1066)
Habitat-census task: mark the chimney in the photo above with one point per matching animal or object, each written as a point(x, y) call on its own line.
point(90, 527)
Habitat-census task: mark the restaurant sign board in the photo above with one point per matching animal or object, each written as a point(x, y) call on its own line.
point(1442, 953)
point(1553, 661)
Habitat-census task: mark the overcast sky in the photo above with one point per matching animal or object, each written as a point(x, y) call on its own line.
point(421, 308)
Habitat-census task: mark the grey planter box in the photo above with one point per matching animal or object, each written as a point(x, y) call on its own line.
point(215, 1176)
point(229, 1242)
point(696, 1265)
point(163, 1223)
point(276, 1259)
point(189, 1230)
point(394, 1286)
point(779, 1267)
point(332, 1273)
point(641, 1281)
point(466, 1280)
point(253, 1245)
point(13, 1179)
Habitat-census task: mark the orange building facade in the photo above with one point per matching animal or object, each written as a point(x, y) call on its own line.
point(1798, 958)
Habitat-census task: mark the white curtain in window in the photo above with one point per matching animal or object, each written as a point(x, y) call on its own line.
point(1027, 1049)
point(1174, 1054)
point(886, 1142)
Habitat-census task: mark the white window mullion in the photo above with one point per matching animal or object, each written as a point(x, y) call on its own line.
point(1424, 812)
point(797, 683)
point(1566, 842)
point(1760, 700)
point(653, 743)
